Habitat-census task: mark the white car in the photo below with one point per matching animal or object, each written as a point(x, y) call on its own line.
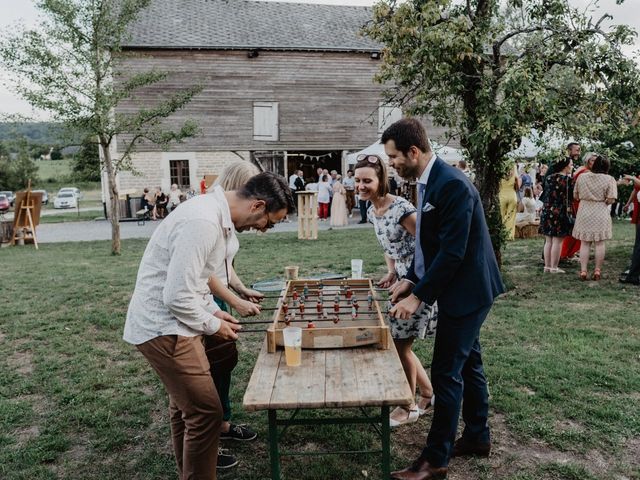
point(74, 190)
point(65, 200)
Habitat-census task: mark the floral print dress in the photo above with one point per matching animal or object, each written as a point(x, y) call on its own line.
point(557, 197)
point(400, 245)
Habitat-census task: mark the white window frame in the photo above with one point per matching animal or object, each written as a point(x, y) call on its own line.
point(269, 129)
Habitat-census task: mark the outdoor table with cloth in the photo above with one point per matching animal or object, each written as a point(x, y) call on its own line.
point(332, 378)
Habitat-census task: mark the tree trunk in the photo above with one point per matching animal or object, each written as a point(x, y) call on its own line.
point(114, 212)
point(488, 183)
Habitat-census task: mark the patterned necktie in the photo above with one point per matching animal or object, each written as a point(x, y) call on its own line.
point(419, 256)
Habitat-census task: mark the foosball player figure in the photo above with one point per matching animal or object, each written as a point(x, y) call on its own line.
point(370, 301)
point(311, 324)
point(301, 308)
point(354, 309)
point(305, 290)
point(285, 307)
point(296, 303)
point(295, 295)
point(319, 307)
point(287, 320)
point(348, 293)
point(336, 318)
point(336, 306)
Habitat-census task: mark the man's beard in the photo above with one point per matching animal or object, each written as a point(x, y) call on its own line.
point(408, 172)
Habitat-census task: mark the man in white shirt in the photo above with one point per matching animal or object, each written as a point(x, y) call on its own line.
point(349, 185)
point(171, 307)
point(292, 181)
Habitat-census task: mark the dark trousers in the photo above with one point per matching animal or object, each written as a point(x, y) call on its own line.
point(458, 377)
point(634, 269)
point(363, 210)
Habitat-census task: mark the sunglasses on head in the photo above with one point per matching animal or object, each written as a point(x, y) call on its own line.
point(369, 158)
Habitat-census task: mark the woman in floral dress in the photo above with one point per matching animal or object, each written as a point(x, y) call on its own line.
point(555, 219)
point(394, 219)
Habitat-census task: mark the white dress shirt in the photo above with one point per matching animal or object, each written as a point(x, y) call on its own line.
point(171, 296)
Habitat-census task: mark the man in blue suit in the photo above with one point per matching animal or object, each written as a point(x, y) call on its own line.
point(454, 264)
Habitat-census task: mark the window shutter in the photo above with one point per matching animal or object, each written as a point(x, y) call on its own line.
point(387, 114)
point(265, 121)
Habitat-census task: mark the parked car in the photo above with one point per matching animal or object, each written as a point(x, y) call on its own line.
point(4, 204)
point(65, 200)
point(45, 196)
point(10, 196)
point(74, 190)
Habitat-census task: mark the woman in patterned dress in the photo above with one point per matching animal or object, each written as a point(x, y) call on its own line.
point(596, 190)
point(555, 223)
point(394, 219)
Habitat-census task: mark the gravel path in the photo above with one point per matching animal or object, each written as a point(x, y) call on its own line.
point(101, 230)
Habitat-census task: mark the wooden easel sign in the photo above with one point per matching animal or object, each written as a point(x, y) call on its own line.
point(26, 217)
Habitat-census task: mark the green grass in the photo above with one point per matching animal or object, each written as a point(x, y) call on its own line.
point(562, 358)
point(71, 216)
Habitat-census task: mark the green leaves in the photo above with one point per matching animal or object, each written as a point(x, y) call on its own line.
point(492, 71)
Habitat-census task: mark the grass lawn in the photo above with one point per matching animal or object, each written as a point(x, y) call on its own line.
point(76, 402)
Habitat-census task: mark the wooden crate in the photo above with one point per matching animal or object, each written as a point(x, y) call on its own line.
point(368, 328)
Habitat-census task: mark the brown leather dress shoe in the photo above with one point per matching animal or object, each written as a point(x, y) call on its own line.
point(463, 448)
point(420, 469)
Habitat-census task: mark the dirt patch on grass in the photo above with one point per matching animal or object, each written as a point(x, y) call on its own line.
point(510, 455)
point(23, 435)
point(21, 362)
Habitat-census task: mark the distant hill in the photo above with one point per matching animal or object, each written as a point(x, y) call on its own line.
point(41, 133)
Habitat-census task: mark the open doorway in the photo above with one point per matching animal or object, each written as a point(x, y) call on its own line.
point(310, 161)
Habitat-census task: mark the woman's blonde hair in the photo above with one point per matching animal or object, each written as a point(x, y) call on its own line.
point(236, 175)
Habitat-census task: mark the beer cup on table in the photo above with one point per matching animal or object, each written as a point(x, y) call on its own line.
point(293, 346)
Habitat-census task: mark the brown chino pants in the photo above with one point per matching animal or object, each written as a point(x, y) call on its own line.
point(194, 407)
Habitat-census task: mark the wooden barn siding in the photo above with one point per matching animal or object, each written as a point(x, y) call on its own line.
point(326, 100)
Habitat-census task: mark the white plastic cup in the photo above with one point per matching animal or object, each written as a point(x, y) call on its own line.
point(356, 268)
point(293, 346)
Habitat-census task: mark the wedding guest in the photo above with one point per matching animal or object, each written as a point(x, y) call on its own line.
point(509, 185)
point(528, 215)
point(632, 275)
point(160, 209)
point(596, 190)
point(339, 216)
point(556, 218)
point(174, 197)
point(324, 197)
point(350, 187)
point(394, 221)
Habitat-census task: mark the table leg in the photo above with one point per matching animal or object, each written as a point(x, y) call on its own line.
point(274, 455)
point(386, 443)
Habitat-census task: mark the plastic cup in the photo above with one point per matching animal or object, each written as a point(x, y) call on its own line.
point(293, 346)
point(291, 272)
point(356, 268)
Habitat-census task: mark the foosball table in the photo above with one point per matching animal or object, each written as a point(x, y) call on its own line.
point(331, 313)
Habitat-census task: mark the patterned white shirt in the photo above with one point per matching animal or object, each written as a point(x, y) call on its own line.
point(171, 296)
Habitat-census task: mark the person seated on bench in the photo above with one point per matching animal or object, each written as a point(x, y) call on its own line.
point(147, 203)
point(529, 204)
point(161, 204)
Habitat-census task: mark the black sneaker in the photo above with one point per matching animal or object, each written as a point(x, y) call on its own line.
point(225, 459)
point(241, 433)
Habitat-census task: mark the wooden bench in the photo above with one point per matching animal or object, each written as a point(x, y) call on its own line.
point(336, 378)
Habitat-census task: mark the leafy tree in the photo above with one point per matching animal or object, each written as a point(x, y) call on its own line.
point(23, 168)
point(86, 163)
point(67, 66)
point(492, 70)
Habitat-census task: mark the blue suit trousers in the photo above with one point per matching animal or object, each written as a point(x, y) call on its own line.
point(458, 378)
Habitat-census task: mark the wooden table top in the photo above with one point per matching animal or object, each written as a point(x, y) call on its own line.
point(347, 377)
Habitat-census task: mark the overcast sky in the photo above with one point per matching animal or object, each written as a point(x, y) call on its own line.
point(12, 11)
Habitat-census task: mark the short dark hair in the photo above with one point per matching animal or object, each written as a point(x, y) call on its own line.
point(462, 163)
point(560, 165)
point(601, 164)
point(572, 144)
point(271, 188)
point(381, 172)
point(407, 133)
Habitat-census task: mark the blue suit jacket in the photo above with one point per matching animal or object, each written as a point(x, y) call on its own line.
point(461, 271)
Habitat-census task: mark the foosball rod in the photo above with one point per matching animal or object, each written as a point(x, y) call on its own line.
point(311, 294)
point(313, 311)
point(319, 319)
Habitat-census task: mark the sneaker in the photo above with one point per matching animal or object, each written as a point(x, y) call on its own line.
point(225, 459)
point(241, 433)
point(402, 416)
